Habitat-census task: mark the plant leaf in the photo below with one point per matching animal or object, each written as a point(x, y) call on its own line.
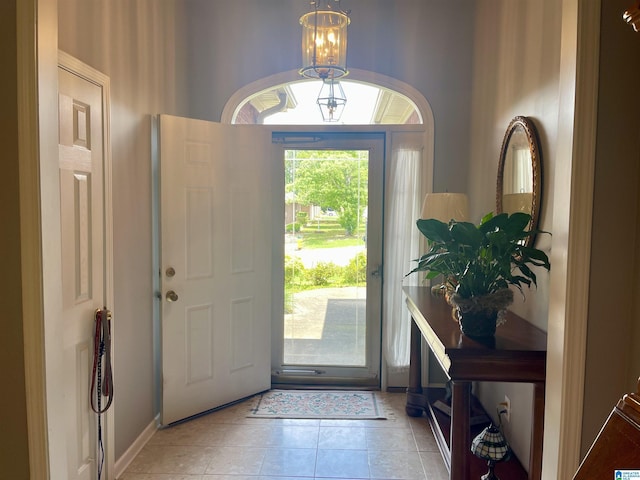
point(493, 223)
point(434, 230)
point(482, 259)
point(466, 234)
point(517, 223)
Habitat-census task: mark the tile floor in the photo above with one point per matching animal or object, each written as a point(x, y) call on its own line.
point(226, 445)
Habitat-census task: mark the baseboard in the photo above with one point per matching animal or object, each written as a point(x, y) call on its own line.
point(396, 389)
point(123, 462)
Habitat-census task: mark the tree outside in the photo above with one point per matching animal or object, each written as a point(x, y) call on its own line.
point(325, 257)
point(333, 186)
point(336, 181)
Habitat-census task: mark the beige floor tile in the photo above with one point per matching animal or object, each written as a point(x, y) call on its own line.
point(275, 477)
point(396, 465)
point(159, 476)
point(236, 461)
point(425, 441)
point(342, 464)
point(343, 437)
point(434, 466)
point(300, 422)
point(391, 439)
point(295, 436)
point(230, 477)
point(227, 445)
point(192, 434)
point(171, 459)
point(292, 462)
point(243, 435)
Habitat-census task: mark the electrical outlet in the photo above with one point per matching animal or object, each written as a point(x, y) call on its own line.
point(505, 408)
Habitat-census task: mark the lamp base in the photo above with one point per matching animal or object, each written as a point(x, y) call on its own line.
point(489, 475)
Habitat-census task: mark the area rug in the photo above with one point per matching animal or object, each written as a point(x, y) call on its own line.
point(317, 404)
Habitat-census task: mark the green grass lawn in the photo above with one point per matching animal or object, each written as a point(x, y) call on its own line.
point(326, 232)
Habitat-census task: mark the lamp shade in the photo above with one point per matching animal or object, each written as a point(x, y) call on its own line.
point(490, 445)
point(324, 43)
point(517, 202)
point(445, 207)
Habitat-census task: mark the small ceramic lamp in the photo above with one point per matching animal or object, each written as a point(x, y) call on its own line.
point(490, 445)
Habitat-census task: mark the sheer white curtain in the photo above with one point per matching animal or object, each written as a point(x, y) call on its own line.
point(402, 243)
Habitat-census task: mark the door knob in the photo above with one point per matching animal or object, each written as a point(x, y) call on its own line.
point(171, 296)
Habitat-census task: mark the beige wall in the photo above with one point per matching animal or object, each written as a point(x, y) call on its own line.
point(516, 72)
point(430, 48)
point(14, 447)
point(516, 68)
point(139, 45)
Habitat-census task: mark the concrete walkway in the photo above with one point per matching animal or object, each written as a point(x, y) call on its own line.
point(327, 327)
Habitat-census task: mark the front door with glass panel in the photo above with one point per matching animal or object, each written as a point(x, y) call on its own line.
point(332, 233)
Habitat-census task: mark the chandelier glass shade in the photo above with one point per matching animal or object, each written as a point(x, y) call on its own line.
point(324, 43)
point(331, 100)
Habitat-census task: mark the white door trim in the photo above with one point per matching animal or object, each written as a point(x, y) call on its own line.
point(30, 236)
point(571, 247)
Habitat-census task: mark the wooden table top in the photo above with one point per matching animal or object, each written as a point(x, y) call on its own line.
point(516, 353)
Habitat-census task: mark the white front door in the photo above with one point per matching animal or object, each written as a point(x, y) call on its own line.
point(216, 216)
point(84, 257)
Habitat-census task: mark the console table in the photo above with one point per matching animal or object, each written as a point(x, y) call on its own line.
point(518, 354)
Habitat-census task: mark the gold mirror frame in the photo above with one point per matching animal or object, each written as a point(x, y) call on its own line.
point(519, 184)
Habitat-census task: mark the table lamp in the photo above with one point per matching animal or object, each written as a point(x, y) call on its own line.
point(490, 445)
point(445, 207)
point(517, 202)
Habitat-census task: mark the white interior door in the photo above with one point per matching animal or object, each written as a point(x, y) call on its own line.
point(215, 264)
point(84, 285)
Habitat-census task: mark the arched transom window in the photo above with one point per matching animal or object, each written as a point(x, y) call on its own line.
point(295, 103)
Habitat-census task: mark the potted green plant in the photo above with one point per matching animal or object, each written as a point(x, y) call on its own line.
point(479, 263)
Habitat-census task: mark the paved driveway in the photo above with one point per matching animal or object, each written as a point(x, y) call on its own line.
point(327, 327)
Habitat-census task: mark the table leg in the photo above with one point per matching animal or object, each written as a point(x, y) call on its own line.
point(415, 400)
point(460, 434)
point(537, 432)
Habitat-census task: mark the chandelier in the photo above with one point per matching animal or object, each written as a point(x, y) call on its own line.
point(324, 54)
point(331, 100)
point(324, 41)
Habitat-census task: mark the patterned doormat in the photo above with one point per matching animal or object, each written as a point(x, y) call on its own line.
point(317, 404)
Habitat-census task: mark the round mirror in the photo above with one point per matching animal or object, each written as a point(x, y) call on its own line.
point(520, 172)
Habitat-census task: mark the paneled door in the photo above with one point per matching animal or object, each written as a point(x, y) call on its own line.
point(84, 259)
point(216, 216)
